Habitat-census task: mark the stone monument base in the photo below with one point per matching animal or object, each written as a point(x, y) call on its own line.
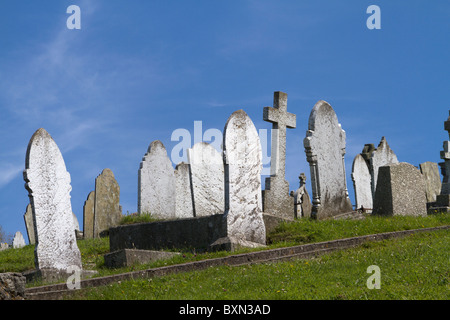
point(128, 257)
point(54, 275)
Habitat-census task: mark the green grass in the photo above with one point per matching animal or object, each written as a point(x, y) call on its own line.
point(137, 218)
point(416, 267)
point(287, 234)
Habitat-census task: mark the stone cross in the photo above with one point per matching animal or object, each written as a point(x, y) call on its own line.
point(280, 119)
point(276, 194)
point(48, 185)
point(443, 199)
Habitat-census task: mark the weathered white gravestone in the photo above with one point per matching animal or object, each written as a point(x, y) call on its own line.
point(382, 156)
point(183, 194)
point(18, 241)
point(277, 200)
point(156, 180)
point(362, 183)
point(207, 179)
point(325, 149)
point(48, 185)
point(243, 165)
point(107, 209)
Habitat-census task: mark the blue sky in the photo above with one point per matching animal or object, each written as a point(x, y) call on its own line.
point(138, 70)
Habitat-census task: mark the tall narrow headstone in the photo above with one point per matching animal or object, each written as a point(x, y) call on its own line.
point(207, 179)
point(443, 199)
point(156, 183)
point(430, 171)
point(243, 165)
point(18, 241)
point(107, 211)
point(48, 185)
point(400, 191)
point(183, 194)
point(29, 224)
point(325, 149)
point(88, 216)
point(383, 155)
point(362, 183)
point(277, 200)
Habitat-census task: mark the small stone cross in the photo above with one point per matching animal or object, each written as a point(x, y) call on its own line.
point(281, 119)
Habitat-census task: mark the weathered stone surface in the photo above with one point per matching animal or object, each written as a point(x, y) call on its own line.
point(243, 165)
point(207, 179)
point(302, 201)
point(430, 171)
point(107, 211)
point(48, 184)
point(88, 216)
point(400, 191)
point(18, 241)
point(129, 257)
point(362, 183)
point(4, 246)
point(12, 286)
point(277, 200)
point(325, 149)
point(183, 195)
point(29, 224)
point(156, 182)
point(382, 156)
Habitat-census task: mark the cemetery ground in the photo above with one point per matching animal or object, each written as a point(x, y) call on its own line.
point(413, 267)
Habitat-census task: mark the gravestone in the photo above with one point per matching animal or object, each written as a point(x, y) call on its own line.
point(29, 224)
point(277, 200)
point(381, 156)
point(430, 171)
point(107, 210)
point(400, 190)
point(18, 241)
point(325, 149)
point(4, 246)
point(243, 165)
point(207, 179)
point(302, 201)
point(48, 185)
point(362, 180)
point(156, 180)
point(183, 194)
point(88, 216)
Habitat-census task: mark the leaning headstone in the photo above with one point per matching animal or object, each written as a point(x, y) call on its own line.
point(183, 194)
point(325, 149)
point(362, 183)
point(243, 165)
point(18, 241)
point(107, 211)
point(277, 200)
point(400, 191)
point(29, 224)
point(88, 216)
point(48, 184)
point(302, 201)
point(207, 179)
point(382, 156)
point(430, 171)
point(156, 181)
